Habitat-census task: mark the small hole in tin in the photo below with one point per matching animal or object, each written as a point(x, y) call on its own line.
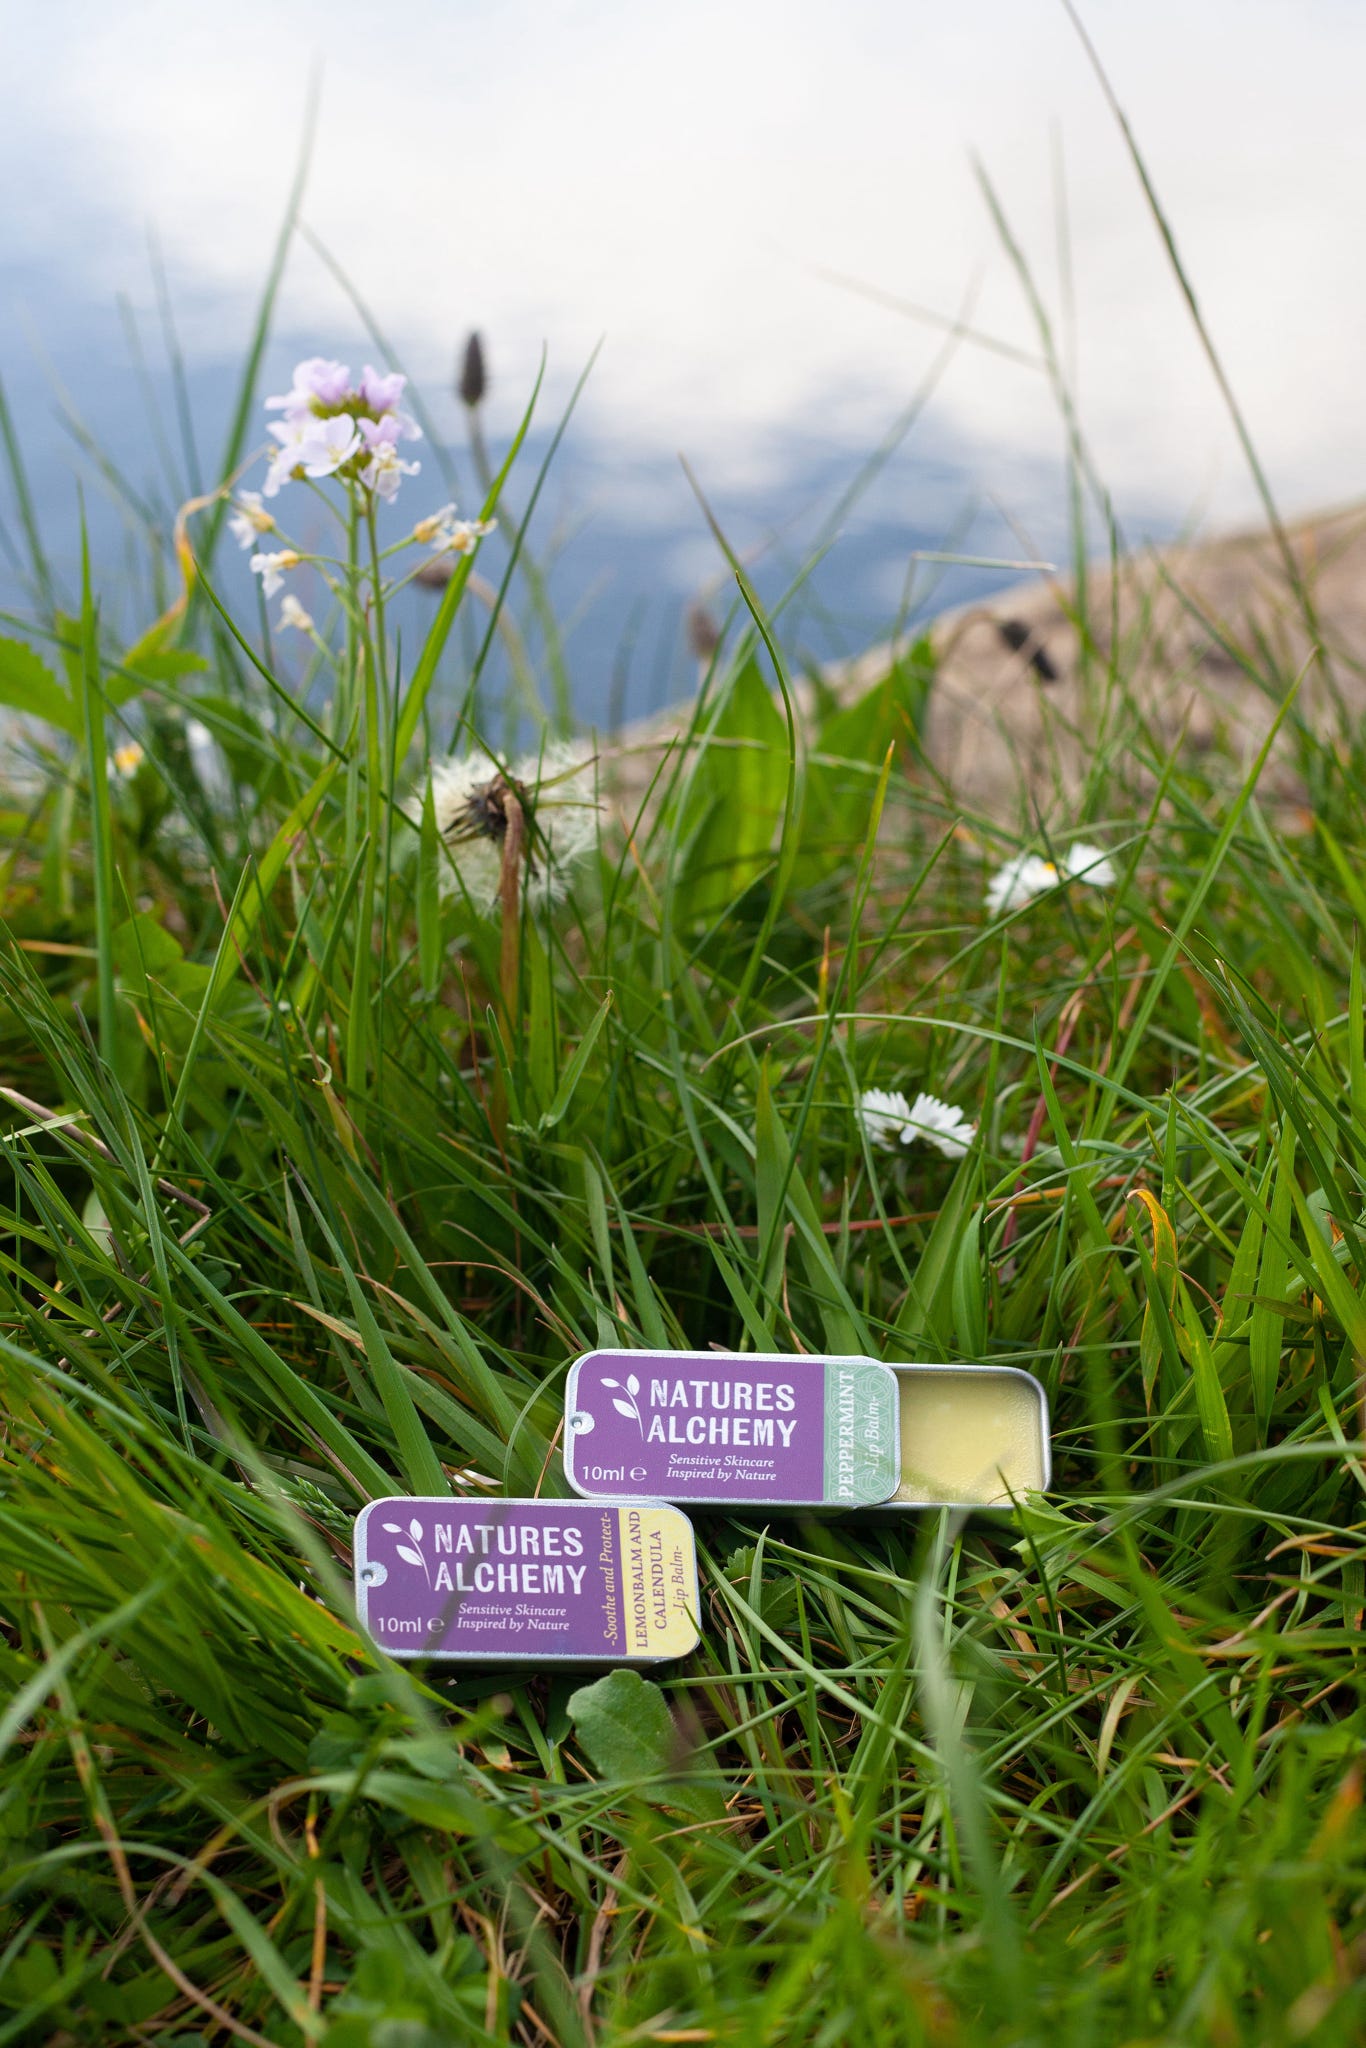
point(581, 1423)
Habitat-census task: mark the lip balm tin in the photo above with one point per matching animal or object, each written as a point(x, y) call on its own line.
point(971, 1436)
point(725, 1429)
point(718, 1429)
point(527, 1582)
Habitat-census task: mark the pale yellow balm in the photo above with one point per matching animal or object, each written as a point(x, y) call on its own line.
point(974, 1435)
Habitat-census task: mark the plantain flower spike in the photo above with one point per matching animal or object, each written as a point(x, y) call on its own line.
point(473, 381)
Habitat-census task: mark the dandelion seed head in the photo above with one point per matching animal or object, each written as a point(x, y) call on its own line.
point(470, 799)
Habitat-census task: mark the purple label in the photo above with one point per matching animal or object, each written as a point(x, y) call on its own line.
point(731, 1428)
point(526, 1581)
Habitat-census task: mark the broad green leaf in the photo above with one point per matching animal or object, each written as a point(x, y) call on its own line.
point(849, 748)
point(27, 684)
point(143, 946)
point(153, 658)
point(736, 800)
point(625, 1727)
point(628, 1734)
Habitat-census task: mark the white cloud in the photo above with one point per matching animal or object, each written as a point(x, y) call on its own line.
point(672, 179)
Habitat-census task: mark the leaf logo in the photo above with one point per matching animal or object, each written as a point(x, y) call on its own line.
point(628, 1406)
point(414, 1555)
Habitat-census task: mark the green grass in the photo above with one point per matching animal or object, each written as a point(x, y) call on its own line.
point(314, 1183)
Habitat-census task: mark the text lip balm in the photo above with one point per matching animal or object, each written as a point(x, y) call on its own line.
point(971, 1436)
point(531, 1582)
point(732, 1429)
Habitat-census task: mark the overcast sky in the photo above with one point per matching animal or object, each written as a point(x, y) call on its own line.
point(676, 179)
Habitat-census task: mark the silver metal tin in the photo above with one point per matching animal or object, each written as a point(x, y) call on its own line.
point(527, 1583)
point(732, 1429)
point(1038, 1450)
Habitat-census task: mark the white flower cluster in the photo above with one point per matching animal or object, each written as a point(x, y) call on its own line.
point(329, 423)
point(890, 1119)
point(447, 535)
point(334, 428)
point(1029, 875)
point(556, 791)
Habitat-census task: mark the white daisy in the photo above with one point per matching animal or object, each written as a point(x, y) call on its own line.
point(1019, 882)
point(1029, 875)
point(555, 789)
point(1091, 864)
point(884, 1114)
point(939, 1124)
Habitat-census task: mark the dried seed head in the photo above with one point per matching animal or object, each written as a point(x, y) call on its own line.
point(704, 635)
point(1023, 639)
point(484, 813)
point(473, 380)
point(436, 572)
point(559, 804)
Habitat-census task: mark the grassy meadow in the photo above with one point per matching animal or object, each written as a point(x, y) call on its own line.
point(335, 1124)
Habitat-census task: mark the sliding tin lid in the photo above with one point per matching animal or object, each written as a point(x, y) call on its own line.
point(527, 1581)
point(732, 1429)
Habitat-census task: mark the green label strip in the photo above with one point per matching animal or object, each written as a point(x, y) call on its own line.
point(861, 1423)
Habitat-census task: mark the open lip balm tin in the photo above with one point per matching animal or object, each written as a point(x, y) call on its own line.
point(718, 1429)
point(971, 1436)
point(731, 1429)
point(527, 1582)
